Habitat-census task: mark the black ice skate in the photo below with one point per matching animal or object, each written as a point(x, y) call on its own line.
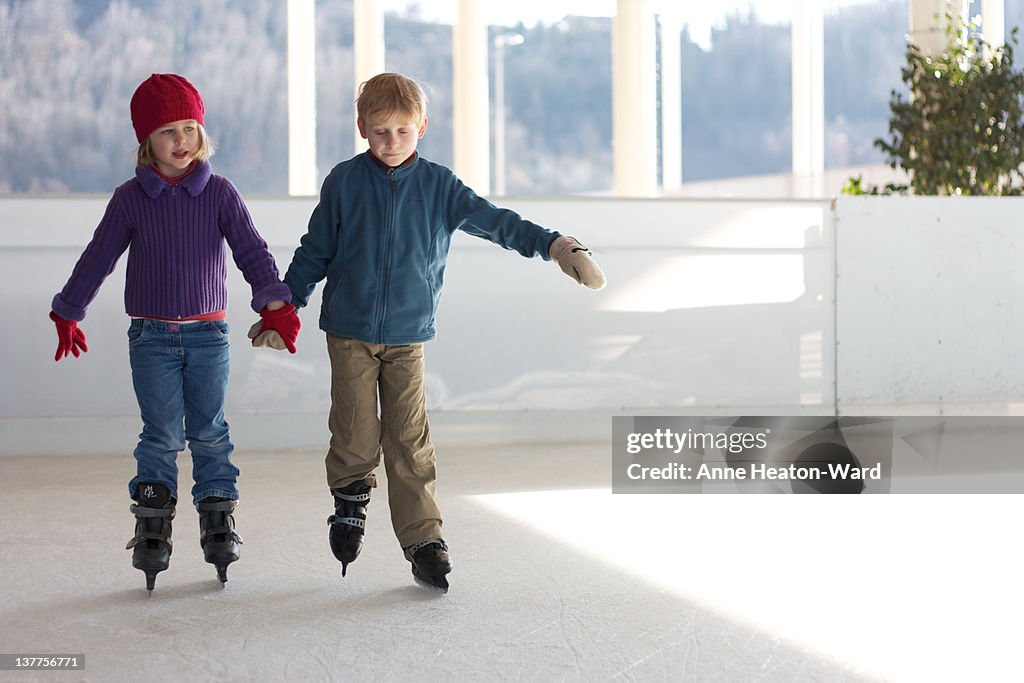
point(430, 563)
point(217, 535)
point(348, 521)
point(153, 510)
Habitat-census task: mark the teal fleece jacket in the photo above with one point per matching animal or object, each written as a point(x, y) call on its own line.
point(381, 237)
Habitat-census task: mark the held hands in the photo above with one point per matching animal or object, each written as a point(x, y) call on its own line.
point(70, 339)
point(276, 329)
point(575, 261)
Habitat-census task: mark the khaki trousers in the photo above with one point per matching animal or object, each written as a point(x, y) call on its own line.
point(361, 372)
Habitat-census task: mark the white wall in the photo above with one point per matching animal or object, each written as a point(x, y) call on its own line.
point(868, 305)
point(718, 306)
point(930, 320)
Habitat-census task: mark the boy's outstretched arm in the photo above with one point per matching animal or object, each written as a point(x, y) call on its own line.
point(478, 217)
point(576, 261)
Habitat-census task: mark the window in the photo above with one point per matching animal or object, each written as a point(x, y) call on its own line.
point(69, 70)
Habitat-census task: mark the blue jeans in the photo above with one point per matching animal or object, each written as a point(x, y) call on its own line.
point(180, 373)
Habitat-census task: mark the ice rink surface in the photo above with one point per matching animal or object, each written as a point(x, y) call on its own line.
point(555, 579)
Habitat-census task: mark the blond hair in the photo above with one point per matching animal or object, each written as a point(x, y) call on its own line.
point(144, 154)
point(389, 94)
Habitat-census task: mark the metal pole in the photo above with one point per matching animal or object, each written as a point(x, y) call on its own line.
point(671, 103)
point(808, 97)
point(500, 43)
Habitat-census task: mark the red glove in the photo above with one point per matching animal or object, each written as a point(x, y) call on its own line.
point(69, 338)
point(284, 321)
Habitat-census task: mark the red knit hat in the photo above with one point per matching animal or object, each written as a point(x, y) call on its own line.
point(161, 99)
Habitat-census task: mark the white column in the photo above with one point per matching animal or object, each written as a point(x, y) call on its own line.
point(301, 98)
point(368, 46)
point(928, 23)
point(470, 98)
point(993, 22)
point(634, 94)
point(808, 85)
point(671, 103)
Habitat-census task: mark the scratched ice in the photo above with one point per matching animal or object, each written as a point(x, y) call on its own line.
point(554, 579)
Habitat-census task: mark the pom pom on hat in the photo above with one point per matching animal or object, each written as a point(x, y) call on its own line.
point(162, 99)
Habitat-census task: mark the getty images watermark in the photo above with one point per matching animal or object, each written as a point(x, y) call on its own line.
point(817, 455)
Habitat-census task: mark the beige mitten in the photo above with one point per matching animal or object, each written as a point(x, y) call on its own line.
point(269, 339)
point(575, 261)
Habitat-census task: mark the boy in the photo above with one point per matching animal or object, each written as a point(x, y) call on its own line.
point(380, 235)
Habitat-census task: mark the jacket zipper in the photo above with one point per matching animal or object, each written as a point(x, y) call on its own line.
point(389, 229)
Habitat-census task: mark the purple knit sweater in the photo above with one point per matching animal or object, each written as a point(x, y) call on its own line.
point(175, 236)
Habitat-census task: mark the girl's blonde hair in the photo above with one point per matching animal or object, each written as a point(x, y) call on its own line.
point(390, 94)
point(144, 154)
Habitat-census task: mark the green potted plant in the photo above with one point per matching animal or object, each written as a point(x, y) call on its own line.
point(961, 130)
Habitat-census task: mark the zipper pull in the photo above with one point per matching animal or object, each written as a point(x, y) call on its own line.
point(394, 180)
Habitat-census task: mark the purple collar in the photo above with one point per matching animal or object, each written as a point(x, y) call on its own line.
point(194, 182)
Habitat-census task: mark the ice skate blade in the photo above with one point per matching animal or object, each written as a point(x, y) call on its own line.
point(151, 573)
point(221, 561)
point(436, 583)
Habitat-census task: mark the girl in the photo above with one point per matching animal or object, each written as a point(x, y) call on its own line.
point(174, 218)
